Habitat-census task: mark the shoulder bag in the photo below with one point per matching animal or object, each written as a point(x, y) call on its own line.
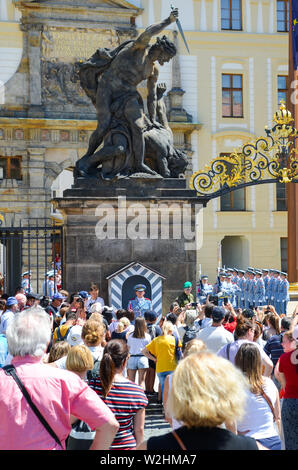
point(10, 370)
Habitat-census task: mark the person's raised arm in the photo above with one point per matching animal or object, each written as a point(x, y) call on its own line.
point(143, 40)
point(104, 435)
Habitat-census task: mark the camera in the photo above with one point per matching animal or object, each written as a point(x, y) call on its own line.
point(213, 299)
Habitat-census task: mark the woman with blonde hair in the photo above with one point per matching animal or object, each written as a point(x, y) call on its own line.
point(206, 392)
point(262, 409)
point(80, 361)
point(193, 346)
point(162, 350)
point(121, 330)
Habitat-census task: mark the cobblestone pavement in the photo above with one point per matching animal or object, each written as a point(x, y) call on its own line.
point(155, 423)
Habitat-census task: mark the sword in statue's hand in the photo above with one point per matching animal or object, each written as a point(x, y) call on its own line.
point(181, 30)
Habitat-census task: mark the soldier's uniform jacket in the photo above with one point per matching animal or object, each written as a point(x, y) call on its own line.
point(140, 305)
point(260, 291)
point(26, 285)
point(284, 290)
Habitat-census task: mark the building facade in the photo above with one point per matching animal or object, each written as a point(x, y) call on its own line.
point(219, 96)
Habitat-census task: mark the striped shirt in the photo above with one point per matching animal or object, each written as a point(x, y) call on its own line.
point(273, 348)
point(124, 399)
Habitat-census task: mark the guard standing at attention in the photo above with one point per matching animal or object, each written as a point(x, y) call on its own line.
point(140, 304)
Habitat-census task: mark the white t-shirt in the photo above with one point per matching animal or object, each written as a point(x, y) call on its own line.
point(258, 419)
point(137, 344)
point(215, 337)
point(234, 349)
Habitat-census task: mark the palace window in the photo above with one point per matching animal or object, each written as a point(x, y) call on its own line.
point(282, 15)
point(284, 254)
point(11, 167)
point(232, 95)
point(281, 197)
point(231, 15)
point(282, 88)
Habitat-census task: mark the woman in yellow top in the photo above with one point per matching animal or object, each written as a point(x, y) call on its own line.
point(162, 350)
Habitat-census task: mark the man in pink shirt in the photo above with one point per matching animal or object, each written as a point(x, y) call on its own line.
point(58, 394)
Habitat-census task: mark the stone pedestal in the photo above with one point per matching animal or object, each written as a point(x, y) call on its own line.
point(138, 219)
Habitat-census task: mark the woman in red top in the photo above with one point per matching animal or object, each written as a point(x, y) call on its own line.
point(286, 372)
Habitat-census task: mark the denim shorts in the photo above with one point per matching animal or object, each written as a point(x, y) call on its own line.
point(137, 362)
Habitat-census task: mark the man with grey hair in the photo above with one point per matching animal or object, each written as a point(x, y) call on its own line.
point(59, 395)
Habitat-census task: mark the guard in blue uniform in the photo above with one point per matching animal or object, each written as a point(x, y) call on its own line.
point(229, 289)
point(49, 288)
point(204, 289)
point(246, 288)
point(26, 282)
point(266, 279)
point(276, 294)
point(240, 292)
point(284, 293)
point(140, 304)
point(251, 289)
point(259, 289)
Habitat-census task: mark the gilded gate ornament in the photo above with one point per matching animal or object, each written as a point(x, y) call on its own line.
point(272, 158)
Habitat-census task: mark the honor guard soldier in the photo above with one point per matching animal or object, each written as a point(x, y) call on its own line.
point(229, 289)
point(186, 297)
point(284, 293)
point(266, 279)
point(276, 295)
point(246, 288)
point(26, 282)
point(259, 289)
point(204, 289)
point(270, 288)
point(49, 285)
point(240, 292)
point(251, 289)
point(140, 304)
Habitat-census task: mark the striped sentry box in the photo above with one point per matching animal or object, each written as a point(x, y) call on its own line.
point(117, 280)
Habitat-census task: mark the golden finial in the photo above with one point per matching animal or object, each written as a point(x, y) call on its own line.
point(283, 116)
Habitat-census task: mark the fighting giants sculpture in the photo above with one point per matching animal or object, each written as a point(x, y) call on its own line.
point(126, 140)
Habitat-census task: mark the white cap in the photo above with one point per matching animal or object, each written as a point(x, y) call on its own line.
point(74, 337)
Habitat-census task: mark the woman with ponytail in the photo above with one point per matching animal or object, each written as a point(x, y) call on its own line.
point(125, 399)
point(244, 333)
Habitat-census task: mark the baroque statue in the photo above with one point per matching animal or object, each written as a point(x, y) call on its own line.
point(127, 141)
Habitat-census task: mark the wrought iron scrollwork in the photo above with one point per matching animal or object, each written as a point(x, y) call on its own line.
point(272, 158)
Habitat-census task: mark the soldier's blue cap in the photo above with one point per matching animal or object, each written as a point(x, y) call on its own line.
point(84, 294)
point(140, 287)
point(26, 272)
point(204, 277)
point(235, 270)
point(265, 270)
point(241, 271)
point(258, 271)
point(284, 274)
point(228, 275)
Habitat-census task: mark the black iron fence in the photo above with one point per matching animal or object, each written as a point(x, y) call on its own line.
point(35, 245)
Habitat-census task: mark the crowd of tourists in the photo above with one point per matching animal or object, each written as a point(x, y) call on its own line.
point(226, 376)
